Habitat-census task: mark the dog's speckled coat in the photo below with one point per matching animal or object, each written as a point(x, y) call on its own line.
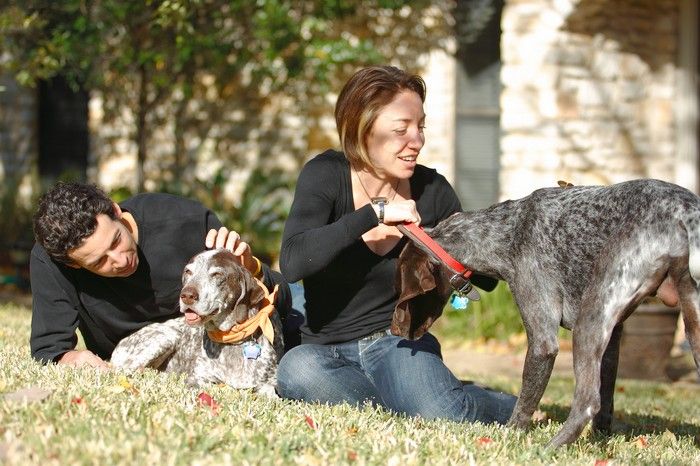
point(580, 257)
point(217, 293)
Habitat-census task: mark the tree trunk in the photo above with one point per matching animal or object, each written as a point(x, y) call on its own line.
point(141, 130)
point(180, 156)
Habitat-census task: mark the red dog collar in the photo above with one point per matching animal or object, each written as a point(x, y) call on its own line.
point(460, 280)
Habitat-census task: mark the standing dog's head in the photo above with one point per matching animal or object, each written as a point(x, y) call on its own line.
point(217, 291)
point(423, 285)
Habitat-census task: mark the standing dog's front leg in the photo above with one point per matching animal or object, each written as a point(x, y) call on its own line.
point(539, 362)
point(542, 349)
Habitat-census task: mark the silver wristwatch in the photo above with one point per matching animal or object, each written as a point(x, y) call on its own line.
point(381, 202)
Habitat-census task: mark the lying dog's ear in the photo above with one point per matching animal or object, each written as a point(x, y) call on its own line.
point(253, 289)
point(419, 302)
point(239, 276)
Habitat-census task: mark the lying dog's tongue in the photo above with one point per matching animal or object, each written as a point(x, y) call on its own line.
point(191, 317)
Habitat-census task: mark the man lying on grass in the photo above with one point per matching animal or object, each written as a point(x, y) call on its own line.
point(110, 269)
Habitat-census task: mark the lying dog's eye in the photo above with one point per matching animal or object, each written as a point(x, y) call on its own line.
point(216, 274)
point(186, 274)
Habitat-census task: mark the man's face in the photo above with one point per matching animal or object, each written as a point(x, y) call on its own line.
point(109, 252)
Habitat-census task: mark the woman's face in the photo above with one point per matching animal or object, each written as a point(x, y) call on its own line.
point(396, 137)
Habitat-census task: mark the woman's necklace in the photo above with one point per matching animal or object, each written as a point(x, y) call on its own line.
point(378, 199)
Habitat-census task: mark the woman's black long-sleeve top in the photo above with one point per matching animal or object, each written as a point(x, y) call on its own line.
point(349, 289)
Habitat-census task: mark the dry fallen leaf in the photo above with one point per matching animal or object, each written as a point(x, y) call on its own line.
point(27, 395)
point(205, 399)
point(310, 422)
point(484, 442)
point(641, 442)
point(124, 382)
point(126, 385)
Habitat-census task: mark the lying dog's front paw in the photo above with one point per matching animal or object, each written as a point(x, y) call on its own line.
point(193, 381)
point(126, 361)
point(268, 391)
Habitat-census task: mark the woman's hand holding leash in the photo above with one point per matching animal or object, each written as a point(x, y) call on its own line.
point(398, 212)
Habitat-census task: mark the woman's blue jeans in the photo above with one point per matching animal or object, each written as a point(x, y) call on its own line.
point(404, 376)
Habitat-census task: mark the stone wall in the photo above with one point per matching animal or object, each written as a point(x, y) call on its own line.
point(113, 153)
point(440, 110)
point(588, 92)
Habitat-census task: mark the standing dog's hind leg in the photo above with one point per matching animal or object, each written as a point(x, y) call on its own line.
point(602, 422)
point(589, 343)
point(615, 288)
point(594, 336)
point(690, 309)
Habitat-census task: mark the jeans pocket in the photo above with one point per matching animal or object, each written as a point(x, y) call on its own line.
point(364, 344)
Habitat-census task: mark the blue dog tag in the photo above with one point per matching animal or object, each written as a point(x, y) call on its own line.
point(251, 350)
point(459, 302)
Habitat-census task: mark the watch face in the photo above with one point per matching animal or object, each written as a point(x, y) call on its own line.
point(379, 200)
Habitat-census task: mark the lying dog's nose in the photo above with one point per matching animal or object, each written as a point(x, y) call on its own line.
point(189, 295)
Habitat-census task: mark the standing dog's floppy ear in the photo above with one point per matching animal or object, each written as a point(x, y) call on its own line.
point(420, 303)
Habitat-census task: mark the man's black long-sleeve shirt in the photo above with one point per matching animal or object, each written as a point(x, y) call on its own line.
point(171, 230)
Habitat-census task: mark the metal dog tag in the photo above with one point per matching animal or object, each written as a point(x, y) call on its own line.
point(251, 350)
point(458, 301)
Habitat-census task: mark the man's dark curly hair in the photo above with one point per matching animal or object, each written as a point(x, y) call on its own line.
point(67, 215)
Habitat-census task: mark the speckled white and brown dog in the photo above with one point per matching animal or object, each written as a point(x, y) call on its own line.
point(229, 332)
point(582, 257)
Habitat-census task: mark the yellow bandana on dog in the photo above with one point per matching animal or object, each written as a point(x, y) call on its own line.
point(261, 320)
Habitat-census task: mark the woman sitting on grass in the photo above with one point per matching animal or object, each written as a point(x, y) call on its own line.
point(341, 239)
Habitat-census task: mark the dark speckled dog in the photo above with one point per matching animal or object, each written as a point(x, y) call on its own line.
point(224, 335)
point(580, 257)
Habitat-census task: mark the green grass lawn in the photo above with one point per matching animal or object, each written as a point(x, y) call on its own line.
point(104, 418)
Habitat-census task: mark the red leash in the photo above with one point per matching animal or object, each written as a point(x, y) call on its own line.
point(460, 280)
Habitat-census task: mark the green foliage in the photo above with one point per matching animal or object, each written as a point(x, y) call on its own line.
point(261, 211)
point(258, 213)
point(91, 417)
point(201, 68)
point(16, 231)
point(16, 211)
point(495, 316)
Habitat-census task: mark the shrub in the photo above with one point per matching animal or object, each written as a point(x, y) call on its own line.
point(495, 316)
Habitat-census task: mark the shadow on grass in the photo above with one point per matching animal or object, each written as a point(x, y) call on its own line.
point(631, 425)
point(10, 294)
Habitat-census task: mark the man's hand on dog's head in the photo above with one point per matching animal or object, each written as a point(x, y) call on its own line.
point(231, 240)
point(83, 358)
